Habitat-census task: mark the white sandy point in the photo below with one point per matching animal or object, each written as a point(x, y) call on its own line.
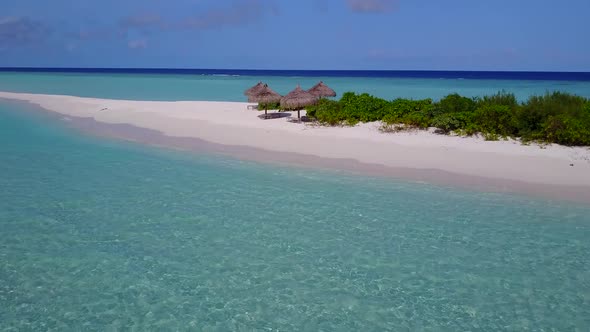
point(231, 123)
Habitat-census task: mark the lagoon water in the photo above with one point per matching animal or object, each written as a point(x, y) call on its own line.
point(98, 234)
point(227, 87)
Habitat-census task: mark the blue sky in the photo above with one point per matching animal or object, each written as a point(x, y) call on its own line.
point(305, 34)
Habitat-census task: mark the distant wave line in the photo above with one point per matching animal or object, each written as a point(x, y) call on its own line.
point(425, 74)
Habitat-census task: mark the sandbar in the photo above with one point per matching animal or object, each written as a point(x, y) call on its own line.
point(230, 127)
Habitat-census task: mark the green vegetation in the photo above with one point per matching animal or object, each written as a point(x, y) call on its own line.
point(268, 106)
point(556, 117)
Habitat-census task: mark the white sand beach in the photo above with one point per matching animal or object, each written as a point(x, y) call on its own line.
point(231, 123)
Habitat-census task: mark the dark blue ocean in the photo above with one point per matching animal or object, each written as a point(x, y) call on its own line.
point(435, 74)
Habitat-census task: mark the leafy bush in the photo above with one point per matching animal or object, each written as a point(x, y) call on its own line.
point(454, 103)
point(533, 114)
point(495, 119)
point(400, 108)
point(490, 136)
point(554, 117)
point(364, 107)
point(326, 111)
point(416, 120)
point(567, 130)
point(268, 106)
point(448, 122)
point(501, 98)
point(411, 113)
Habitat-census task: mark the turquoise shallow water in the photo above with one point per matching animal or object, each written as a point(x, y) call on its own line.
point(103, 235)
point(231, 88)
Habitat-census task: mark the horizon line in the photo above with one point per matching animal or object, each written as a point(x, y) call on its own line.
point(308, 70)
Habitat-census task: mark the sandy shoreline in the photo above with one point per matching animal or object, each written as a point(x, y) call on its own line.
point(228, 127)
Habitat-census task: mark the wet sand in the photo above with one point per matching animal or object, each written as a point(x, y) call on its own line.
point(231, 129)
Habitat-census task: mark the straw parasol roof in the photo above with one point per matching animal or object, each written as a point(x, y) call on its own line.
point(265, 96)
point(253, 90)
point(297, 100)
point(322, 90)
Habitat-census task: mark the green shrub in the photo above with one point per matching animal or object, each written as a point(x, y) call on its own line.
point(490, 137)
point(402, 107)
point(454, 103)
point(323, 105)
point(326, 111)
point(554, 117)
point(469, 129)
point(412, 113)
point(390, 119)
point(567, 130)
point(416, 120)
point(447, 122)
point(268, 106)
point(495, 119)
point(363, 107)
point(397, 109)
point(501, 98)
point(534, 114)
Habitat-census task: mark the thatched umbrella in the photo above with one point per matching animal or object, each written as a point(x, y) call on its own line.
point(322, 90)
point(253, 90)
point(265, 96)
point(297, 100)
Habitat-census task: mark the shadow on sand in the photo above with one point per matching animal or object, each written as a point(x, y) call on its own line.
point(274, 115)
